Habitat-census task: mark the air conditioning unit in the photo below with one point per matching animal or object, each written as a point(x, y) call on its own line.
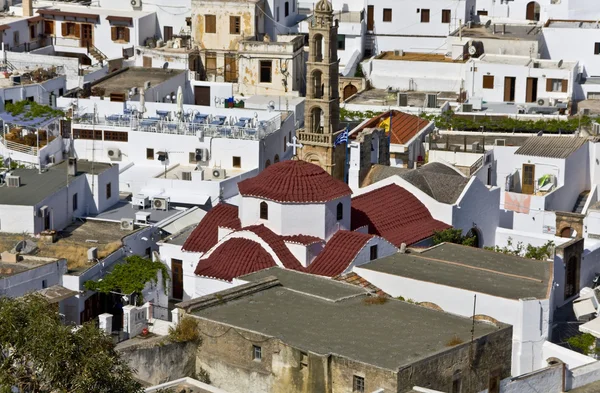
point(13, 181)
point(43, 212)
point(141, 201)
point(399, 52)
point(536, 64)
point(595, 128)
point(133, 91)
point(160, 203)
point(113, 154)
point(127, 224)
point(467, 108)
point(500, 142)
point(92, 254)
point(542, 102)
point(402, 99)
point(202, 154)
point(136, 3)
point(218, 173)
point(431, 101)
point(51, 159)
point(187, 176)
point(147, 85)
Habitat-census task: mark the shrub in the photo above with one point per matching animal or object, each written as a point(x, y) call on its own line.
point(455, 340)
point(375, 300)
point(585, 343)
point(185, 331)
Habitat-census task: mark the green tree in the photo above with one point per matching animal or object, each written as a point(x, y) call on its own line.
point(40, 354)
point(540, 253)
point(585, 343)
point(452, 235)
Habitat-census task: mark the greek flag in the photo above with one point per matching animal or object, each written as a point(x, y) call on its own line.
point(343, 137)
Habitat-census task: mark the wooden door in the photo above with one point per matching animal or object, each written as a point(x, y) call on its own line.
point(349, 91)
point(167, 33)
point(509, 89)
point(147, 62)
point(531, 93)
point(572, 277)
point(370, 17)
point(528, 179)
point(202, 95)
point(87, 39)
point(533, 11)
point(177, 273)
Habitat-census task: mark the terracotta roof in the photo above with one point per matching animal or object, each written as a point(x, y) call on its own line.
point(394, 214)
point(355, 279)
point(404, 125)
point(302, 239)
point(339, 252)
point(206, 234)
point(277, 244)
point(234, 258)
point(294, 181)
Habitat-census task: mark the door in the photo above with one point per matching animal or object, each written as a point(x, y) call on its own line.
point(87, 40)
point(370, 16)
point(167, 33)
point(509, 89)
point(202, 95)
point(528, 179)
point(531, 93)
point(147, 62)
point(533, 11)
point(572, 277)
point(177, 273)
point(349, 91)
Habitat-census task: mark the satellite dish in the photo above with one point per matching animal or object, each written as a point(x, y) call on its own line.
point(472, 50)
point(560, 63)
point(166, 65)
point(488, 23)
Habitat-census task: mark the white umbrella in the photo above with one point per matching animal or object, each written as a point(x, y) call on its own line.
point(142, 101)
point(179, 102)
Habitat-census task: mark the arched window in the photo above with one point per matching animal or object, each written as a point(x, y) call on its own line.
point(340, 211)
point(276, 159)
point(318, 47)
point(318, 85)
point(284, 143)
point(264, 211)
point(316, 116)
point(533, 11)
point(267, 163)
point(286, 8)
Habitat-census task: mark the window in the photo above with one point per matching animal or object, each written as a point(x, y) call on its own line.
point(210, 23)
point(341, 42)
point(494, 382)
point(150, 154)
point(446, 16)
point(373, 252)
point(167, 33)
point(44, 284)
point(256, 353)
point(211, 62)
point(456, 386)
point(32, 32)
point(488, 81)
point(188, 21)
point(237, 162)
point(16, 37)
point(358, 384)
point(234, 25)
point(108, 190)
point(117, 136)
point(75, 201)
point(264, 211)
point(482, 13)
point(387, 14)
point(284, 143)
point(424, 15)
point(119, 33)
point(86, 134)
point(340, 211)
point(265, 71)
point(553, 84)
point(69, 29)
point(49, 27)
point(286, 9)
point(231, 71)
point(267, 164)
point(277, 13)
point(192, 157)
point(293, 5)
point(276, 159)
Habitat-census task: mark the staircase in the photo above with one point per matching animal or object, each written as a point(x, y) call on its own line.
point(580, 202)
point(6, 66)
point(96, 54)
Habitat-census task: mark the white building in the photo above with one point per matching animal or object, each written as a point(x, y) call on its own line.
point(536, 11)
point(479, 284)
point(33, 201)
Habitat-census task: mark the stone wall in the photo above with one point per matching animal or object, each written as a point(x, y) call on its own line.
point(157, 360)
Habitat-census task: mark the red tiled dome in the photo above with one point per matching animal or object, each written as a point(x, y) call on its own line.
point(294, 181)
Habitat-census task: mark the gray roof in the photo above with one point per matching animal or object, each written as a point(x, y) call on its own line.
point(35, 186)
point(388, 335)
point(551, 146)
point(307, 283)
point(472, 269)
point(439, 181)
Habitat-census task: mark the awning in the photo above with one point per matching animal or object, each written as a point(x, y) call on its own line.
point(56, 293)
point(592, 327)
point(584, 308)
point(35, 19)
point(4, 27)
point(71, 14)
point(20, 120)
point(124, 19)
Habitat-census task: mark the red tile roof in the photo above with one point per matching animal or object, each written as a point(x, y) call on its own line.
point(234, 258)
point(305, 240)
point(294, 181)
point(339, 252)
point(355, 279)
point(206, 234)
point(277, 244)
point(394, 214)
point(404, 125)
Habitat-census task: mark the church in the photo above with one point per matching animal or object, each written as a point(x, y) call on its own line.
point(296, 216)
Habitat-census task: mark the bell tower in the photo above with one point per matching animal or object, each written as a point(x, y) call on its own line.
point(322, 105)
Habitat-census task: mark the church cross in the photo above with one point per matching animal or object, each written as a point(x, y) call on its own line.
point(294, 145)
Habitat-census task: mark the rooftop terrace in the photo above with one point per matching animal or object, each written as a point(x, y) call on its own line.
point(413, 56)
point(122, 81)
point(529, 32)
point(27, 262)
point(385, 98)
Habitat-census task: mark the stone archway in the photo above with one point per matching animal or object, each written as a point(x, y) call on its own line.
point(349, 91)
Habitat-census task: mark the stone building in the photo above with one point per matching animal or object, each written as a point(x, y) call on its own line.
point(322, 113)
point(287, 331)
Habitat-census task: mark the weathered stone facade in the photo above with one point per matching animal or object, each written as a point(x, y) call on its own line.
point(567, 221)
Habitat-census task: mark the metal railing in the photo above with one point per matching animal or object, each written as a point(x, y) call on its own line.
point(476, 165)
point(20, 148)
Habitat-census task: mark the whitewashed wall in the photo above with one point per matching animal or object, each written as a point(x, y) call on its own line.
point(189, 261)
point(31, 280)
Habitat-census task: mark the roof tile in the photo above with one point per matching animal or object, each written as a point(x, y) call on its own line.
point(340, 251)
point(206, 234)
point(404, 126)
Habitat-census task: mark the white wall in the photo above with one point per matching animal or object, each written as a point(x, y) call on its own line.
point(17, 219)
point(477, 207)
point(189, 261)
point(384, 249)
point(30, 280)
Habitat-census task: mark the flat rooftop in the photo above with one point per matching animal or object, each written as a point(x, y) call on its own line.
point(472, 269)
point(319, 286)
point(524, 61)
point(179, 238)
point(529, 32)
point(26, 263)
point(176, 173)
point(385, 98)
point(124, 209)
point(414, 56)
point(36, 186)
point(572, 24)
point(120, 82)
point(392, 333)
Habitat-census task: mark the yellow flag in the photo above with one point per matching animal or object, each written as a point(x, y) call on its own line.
point(385, 124)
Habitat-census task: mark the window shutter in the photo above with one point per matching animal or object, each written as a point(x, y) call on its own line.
point(77, 30)
point(126, 34)
point(113, 33)
point(232, 25)
point(549, 84)
point(565, 85)
point(64, 29)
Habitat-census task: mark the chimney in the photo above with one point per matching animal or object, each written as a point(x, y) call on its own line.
point(27, 7)
point(72, 166)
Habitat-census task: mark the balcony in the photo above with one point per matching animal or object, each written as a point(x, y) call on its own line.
point(314, 138)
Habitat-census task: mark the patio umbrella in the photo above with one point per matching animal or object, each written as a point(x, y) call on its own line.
point(179, 102)
point(142, 101)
